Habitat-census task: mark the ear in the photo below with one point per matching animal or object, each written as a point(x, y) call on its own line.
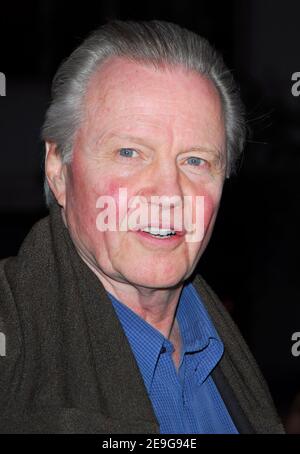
point(55, 173)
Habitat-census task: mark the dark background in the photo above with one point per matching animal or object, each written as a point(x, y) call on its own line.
point(252, 260)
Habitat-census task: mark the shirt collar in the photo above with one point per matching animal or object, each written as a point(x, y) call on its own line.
point(198, 334)
point(196, 329)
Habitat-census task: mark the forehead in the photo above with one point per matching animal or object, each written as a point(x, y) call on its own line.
point(128, 94)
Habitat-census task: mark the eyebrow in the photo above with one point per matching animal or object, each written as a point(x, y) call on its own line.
point(135, 139)
point(203, 148)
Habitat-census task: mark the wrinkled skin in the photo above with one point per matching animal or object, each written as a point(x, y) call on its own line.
point(165, 117)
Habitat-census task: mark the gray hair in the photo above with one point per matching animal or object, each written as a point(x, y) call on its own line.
point(153, 42)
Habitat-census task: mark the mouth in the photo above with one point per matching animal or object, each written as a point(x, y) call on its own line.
point(159, 232)
point(161, 237)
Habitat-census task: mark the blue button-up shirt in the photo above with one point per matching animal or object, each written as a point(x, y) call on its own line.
point(186, 401)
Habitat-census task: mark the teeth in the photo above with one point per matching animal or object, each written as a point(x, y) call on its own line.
point(158, 231)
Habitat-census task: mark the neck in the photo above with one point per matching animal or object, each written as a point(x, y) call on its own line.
point(155, 306)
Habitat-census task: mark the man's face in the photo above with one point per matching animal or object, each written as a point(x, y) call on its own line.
point(152, 132)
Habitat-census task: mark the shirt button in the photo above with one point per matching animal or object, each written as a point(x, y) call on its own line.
point(163, 350)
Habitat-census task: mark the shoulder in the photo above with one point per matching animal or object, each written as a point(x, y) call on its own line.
point(17, 290)
point(8, 311)
point(234, 343)
point(10, 332)
point(239, 366)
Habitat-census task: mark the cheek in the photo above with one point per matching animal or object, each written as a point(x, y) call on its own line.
point(210, 207)
point(112, 188)
point(88, 184)
point(84, 188)
point(204, 213)
point(205, 208)
point(117, 191)
point(80, 183)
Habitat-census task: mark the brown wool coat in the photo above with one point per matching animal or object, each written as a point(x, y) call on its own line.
point(68, 366)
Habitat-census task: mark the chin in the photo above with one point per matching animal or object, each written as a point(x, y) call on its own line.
point(155, 278)
point(158, 284)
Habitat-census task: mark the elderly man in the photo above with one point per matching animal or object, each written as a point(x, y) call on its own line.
point(106, 328)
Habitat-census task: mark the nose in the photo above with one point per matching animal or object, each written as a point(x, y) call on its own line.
point(162, 178)
point(162, 187)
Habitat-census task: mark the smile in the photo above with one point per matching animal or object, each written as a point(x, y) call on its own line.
point(159, 233)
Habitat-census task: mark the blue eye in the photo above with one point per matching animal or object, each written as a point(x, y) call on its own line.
point(127, 152)
point(195, 161)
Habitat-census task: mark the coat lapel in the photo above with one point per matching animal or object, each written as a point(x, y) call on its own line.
point(121, 387)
